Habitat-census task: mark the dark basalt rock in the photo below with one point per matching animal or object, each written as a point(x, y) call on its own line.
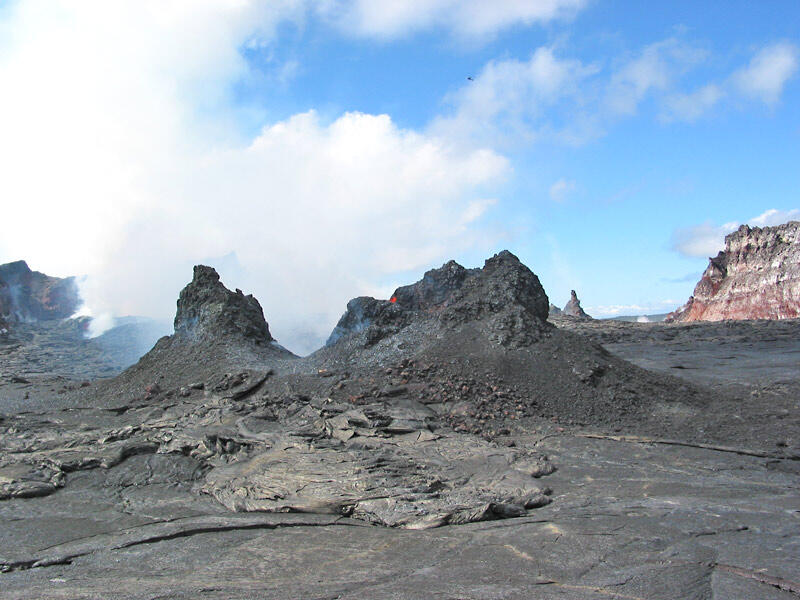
point(361, 313)
point(435, 288)
point(30, 296)
point(502, 283)
point(573, 307)
point(207, 309)
point(217, 331)
point(506, 298)
point(504, 293)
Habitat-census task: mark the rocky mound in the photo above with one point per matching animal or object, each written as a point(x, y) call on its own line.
point(217, 331)
point(30, 296)
point(756, 276)
point(370, 315)
point(554, 310)
point(573, 307)
point(505, 297)
point(484, 355)
point(207, 310)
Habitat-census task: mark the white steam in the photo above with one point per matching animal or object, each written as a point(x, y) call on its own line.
point(99, 323)
point(122, 160)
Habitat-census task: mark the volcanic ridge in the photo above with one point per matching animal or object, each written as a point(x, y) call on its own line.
point(27, 295)
point(400, 420)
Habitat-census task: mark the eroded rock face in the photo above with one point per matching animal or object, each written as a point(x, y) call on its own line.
point(30, 296)
point(554, 311)
point(207, 309)
point(573, 307)
point(756, 276)
point(504, 295)
point(363, 312)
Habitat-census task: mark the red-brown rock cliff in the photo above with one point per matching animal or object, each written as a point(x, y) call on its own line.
point(757, 276)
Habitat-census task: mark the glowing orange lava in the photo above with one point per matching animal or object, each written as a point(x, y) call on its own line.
point(393, 299)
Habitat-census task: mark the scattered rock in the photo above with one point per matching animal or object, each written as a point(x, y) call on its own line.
point(151, 391)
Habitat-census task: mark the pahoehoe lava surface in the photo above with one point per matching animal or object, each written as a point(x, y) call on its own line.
point(221, 465)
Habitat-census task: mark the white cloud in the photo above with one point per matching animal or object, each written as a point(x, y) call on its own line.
point(764, 78)
point(476, 209)
point(561, 190)
point(466, 18)
point(703, 240)
point(706, 240)
point(121, 160)
point(508, 99)
point(556, 98)
point(769, 70)
point(692, 106)
point(616, 310)
point(550, 97)
point(774, 216)
point(655, 69)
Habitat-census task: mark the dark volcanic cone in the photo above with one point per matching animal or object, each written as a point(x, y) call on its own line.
point(207, 310)
point(217, 331)
point(505, 297)
point(476, 344)
point(435, 288)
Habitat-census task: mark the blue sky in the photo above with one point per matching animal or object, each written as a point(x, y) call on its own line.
point(335, 148)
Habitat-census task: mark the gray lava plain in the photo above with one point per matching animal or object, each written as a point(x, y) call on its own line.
point(453, 444)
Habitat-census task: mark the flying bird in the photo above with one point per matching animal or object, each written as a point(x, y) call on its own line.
point(470, 79)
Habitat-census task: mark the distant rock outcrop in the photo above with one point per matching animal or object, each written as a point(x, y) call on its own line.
point(756, 276)
point(554, 310)
point(31, 296)
point(207, 309)
point(573, 307)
